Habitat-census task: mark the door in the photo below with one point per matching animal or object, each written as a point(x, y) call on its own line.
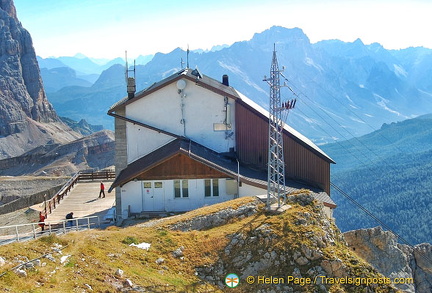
point(159, 196)
point(148, 196)
point(153, 196)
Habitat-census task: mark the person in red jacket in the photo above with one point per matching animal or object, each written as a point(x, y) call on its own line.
point(102, 190)
point(41, 221)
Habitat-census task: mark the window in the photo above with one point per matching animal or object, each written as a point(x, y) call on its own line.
point(211, 187)
point(207, 187)
point(177, 192)
point(185, 190)
point(158, 185)
point(181, 188)
point(215, 187)
point(147, 184)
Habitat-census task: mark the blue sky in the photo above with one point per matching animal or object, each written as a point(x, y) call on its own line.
point(106, 28)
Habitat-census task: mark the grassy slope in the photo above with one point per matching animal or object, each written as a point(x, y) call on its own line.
point(94, 256)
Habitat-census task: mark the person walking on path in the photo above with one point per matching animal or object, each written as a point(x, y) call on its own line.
point(102, 190)
point(41, 221)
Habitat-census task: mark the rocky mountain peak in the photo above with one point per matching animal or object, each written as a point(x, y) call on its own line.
point(24, 109)
point(8, 7)
point(20, 76)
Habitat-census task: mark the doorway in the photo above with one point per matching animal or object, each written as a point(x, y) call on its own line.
point(153, 196)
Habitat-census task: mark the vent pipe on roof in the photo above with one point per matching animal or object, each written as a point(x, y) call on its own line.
point(225, 80)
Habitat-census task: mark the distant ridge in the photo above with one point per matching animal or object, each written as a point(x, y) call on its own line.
point(344, 88)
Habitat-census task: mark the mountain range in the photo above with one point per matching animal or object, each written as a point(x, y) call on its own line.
point(342, 89)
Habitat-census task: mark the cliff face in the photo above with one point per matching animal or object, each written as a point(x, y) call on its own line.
point(27, 119)
point(394, 260)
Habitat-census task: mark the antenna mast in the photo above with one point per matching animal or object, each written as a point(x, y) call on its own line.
point(187, 57)
point(276, 162)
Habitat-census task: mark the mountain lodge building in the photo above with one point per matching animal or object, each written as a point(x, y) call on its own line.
point(190, 140)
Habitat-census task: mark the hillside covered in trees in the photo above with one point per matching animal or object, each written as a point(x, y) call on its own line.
point(389, 173)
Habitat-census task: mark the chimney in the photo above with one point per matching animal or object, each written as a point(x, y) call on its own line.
point(131, 87)
point(225, 80)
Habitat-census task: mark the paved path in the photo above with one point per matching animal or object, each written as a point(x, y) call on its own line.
point(83, 201)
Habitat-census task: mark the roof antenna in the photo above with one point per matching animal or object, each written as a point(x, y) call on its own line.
point(130, 81)
point(187, 57)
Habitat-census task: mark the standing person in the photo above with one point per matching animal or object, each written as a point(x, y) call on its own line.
point(41, 221)
point(102, 190)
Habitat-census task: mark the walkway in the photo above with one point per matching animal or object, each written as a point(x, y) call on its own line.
point(83, 201)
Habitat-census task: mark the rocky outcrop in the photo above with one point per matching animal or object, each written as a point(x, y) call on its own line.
point(409, 265)
point(217, 219)
point(27, 119)
point(296, 250)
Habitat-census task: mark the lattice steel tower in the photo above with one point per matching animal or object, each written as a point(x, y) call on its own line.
point(276, 162)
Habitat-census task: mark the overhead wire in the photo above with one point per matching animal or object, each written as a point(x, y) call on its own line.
point(334, 120)
point(348, 109)
point(348, 141)
point(337, 188)
point(329, 124)
point(370, 214)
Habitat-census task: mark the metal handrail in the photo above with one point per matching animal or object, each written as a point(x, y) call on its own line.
point(31, 231)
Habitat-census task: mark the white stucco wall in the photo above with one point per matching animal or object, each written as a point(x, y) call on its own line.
point(136, 198)
point(163, 109)
point(248, 190)
point(142, 141)
point(131, 198)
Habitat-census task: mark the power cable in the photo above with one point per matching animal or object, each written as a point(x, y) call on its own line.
point(347, 108)
point(356, 157)
point(370, 214)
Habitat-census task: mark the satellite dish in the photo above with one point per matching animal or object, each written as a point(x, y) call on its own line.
point(181, 84)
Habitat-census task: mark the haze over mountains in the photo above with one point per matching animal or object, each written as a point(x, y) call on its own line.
point(340, 86)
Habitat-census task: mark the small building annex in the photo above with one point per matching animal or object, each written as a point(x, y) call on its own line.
point(190, 140)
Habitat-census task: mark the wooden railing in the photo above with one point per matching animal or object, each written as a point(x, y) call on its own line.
point(99, 175)
point(50, 204)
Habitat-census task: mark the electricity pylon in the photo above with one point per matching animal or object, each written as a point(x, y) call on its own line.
point(276, 162)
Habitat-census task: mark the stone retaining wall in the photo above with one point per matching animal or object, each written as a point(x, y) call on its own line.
point(27, 201)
